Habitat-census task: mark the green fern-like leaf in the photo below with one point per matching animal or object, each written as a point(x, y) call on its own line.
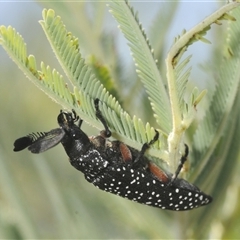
point(211, 128)
point(146, 66)
point(47, 80)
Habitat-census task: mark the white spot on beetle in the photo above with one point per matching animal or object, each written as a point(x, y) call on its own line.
point(133, 181)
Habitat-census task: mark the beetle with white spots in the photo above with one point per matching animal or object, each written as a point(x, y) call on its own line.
point(114, 167)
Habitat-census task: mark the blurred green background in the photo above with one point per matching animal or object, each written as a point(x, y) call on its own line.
point(42, 196)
